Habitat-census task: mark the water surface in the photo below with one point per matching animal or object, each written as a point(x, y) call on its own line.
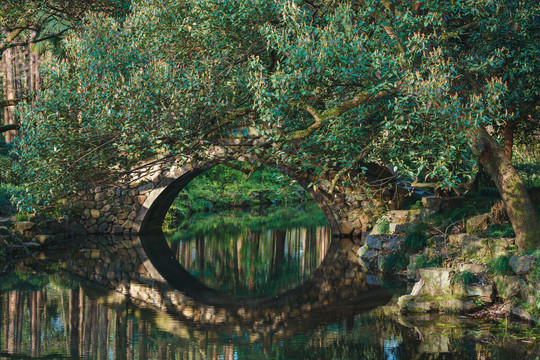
point(275, 290)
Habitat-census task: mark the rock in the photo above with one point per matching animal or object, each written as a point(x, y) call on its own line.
point(374, 242)
point(4, 231)
point(345, 227)
point(522, 264)
point(139, 199)
point(393, 243)
point(472, 268)
point(6, 223)
point(417, 287)
point(46, 240)
point(128, 224)
point(413, 272)
point(32, 244)
point(432, 202)
point(478, 223)
point(507, 286)
point(456, 305)
point(403, 216)
point(102, 228)
point(437, 281)
point(76, 229)
point(146, 188)
point(483, 292)
point(95, 213)
point(100, 196)
point(117, 229)
point(457, 239)
point(473, 246)
point(22, 226)
point(395, 227)
point(522, 314)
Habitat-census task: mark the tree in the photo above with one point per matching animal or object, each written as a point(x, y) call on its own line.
point(330, 84)
point(29, 25)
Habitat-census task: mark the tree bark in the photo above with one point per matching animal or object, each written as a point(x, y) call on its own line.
point(517, 202)
point(508, 135)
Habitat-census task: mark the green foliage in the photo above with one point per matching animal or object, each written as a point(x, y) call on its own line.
point(222, 187)
point(526, 160)
point(501, 265)
point(22, 216)
point(9, 195)
point(425, 261)
point(394, 262)
point(130, 91)
point(416, 240)
point(499, 231)
point(465, 278)
point(382, 226)
point(535, 268)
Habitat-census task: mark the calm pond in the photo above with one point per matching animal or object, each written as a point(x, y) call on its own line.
point(235, 285)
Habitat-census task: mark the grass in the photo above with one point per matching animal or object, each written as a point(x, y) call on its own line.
point(425, 261)
point(501, 265)
point(465, 278)
point(416, 240)
point(222, 188)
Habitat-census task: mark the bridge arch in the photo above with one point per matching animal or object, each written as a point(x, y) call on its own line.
point(152, 213)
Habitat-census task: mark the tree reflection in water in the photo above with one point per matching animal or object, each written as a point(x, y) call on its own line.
point(248, 255)
point(56, 317)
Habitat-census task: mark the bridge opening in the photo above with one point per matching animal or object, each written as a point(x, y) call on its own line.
point(254, 236)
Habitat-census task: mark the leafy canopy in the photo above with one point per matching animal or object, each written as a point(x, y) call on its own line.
point(330, 83)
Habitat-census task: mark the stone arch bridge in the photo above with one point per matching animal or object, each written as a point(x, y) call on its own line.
point(138, 202)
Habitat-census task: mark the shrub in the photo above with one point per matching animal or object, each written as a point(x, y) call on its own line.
point(394, 263)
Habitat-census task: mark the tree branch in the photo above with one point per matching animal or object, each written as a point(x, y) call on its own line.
point(9, 127)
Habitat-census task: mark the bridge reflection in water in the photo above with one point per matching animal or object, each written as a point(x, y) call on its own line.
point(53, 314)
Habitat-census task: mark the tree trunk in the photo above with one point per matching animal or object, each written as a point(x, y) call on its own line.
point(9, 93)
point(517, 202)
point(509, 138)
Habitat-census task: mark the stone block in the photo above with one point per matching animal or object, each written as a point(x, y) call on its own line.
point(102, 228)
point(393, 243)
point(395, 227)
point(139, 199)
point(483, 292)
point(507, 286)
point(437, 281)
point(100, 196)
point(143, 189)
point(522, 264)
point(374, 242)
point(472, 268)
point(478, 223)
point(345, 227)
point(46, 240)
